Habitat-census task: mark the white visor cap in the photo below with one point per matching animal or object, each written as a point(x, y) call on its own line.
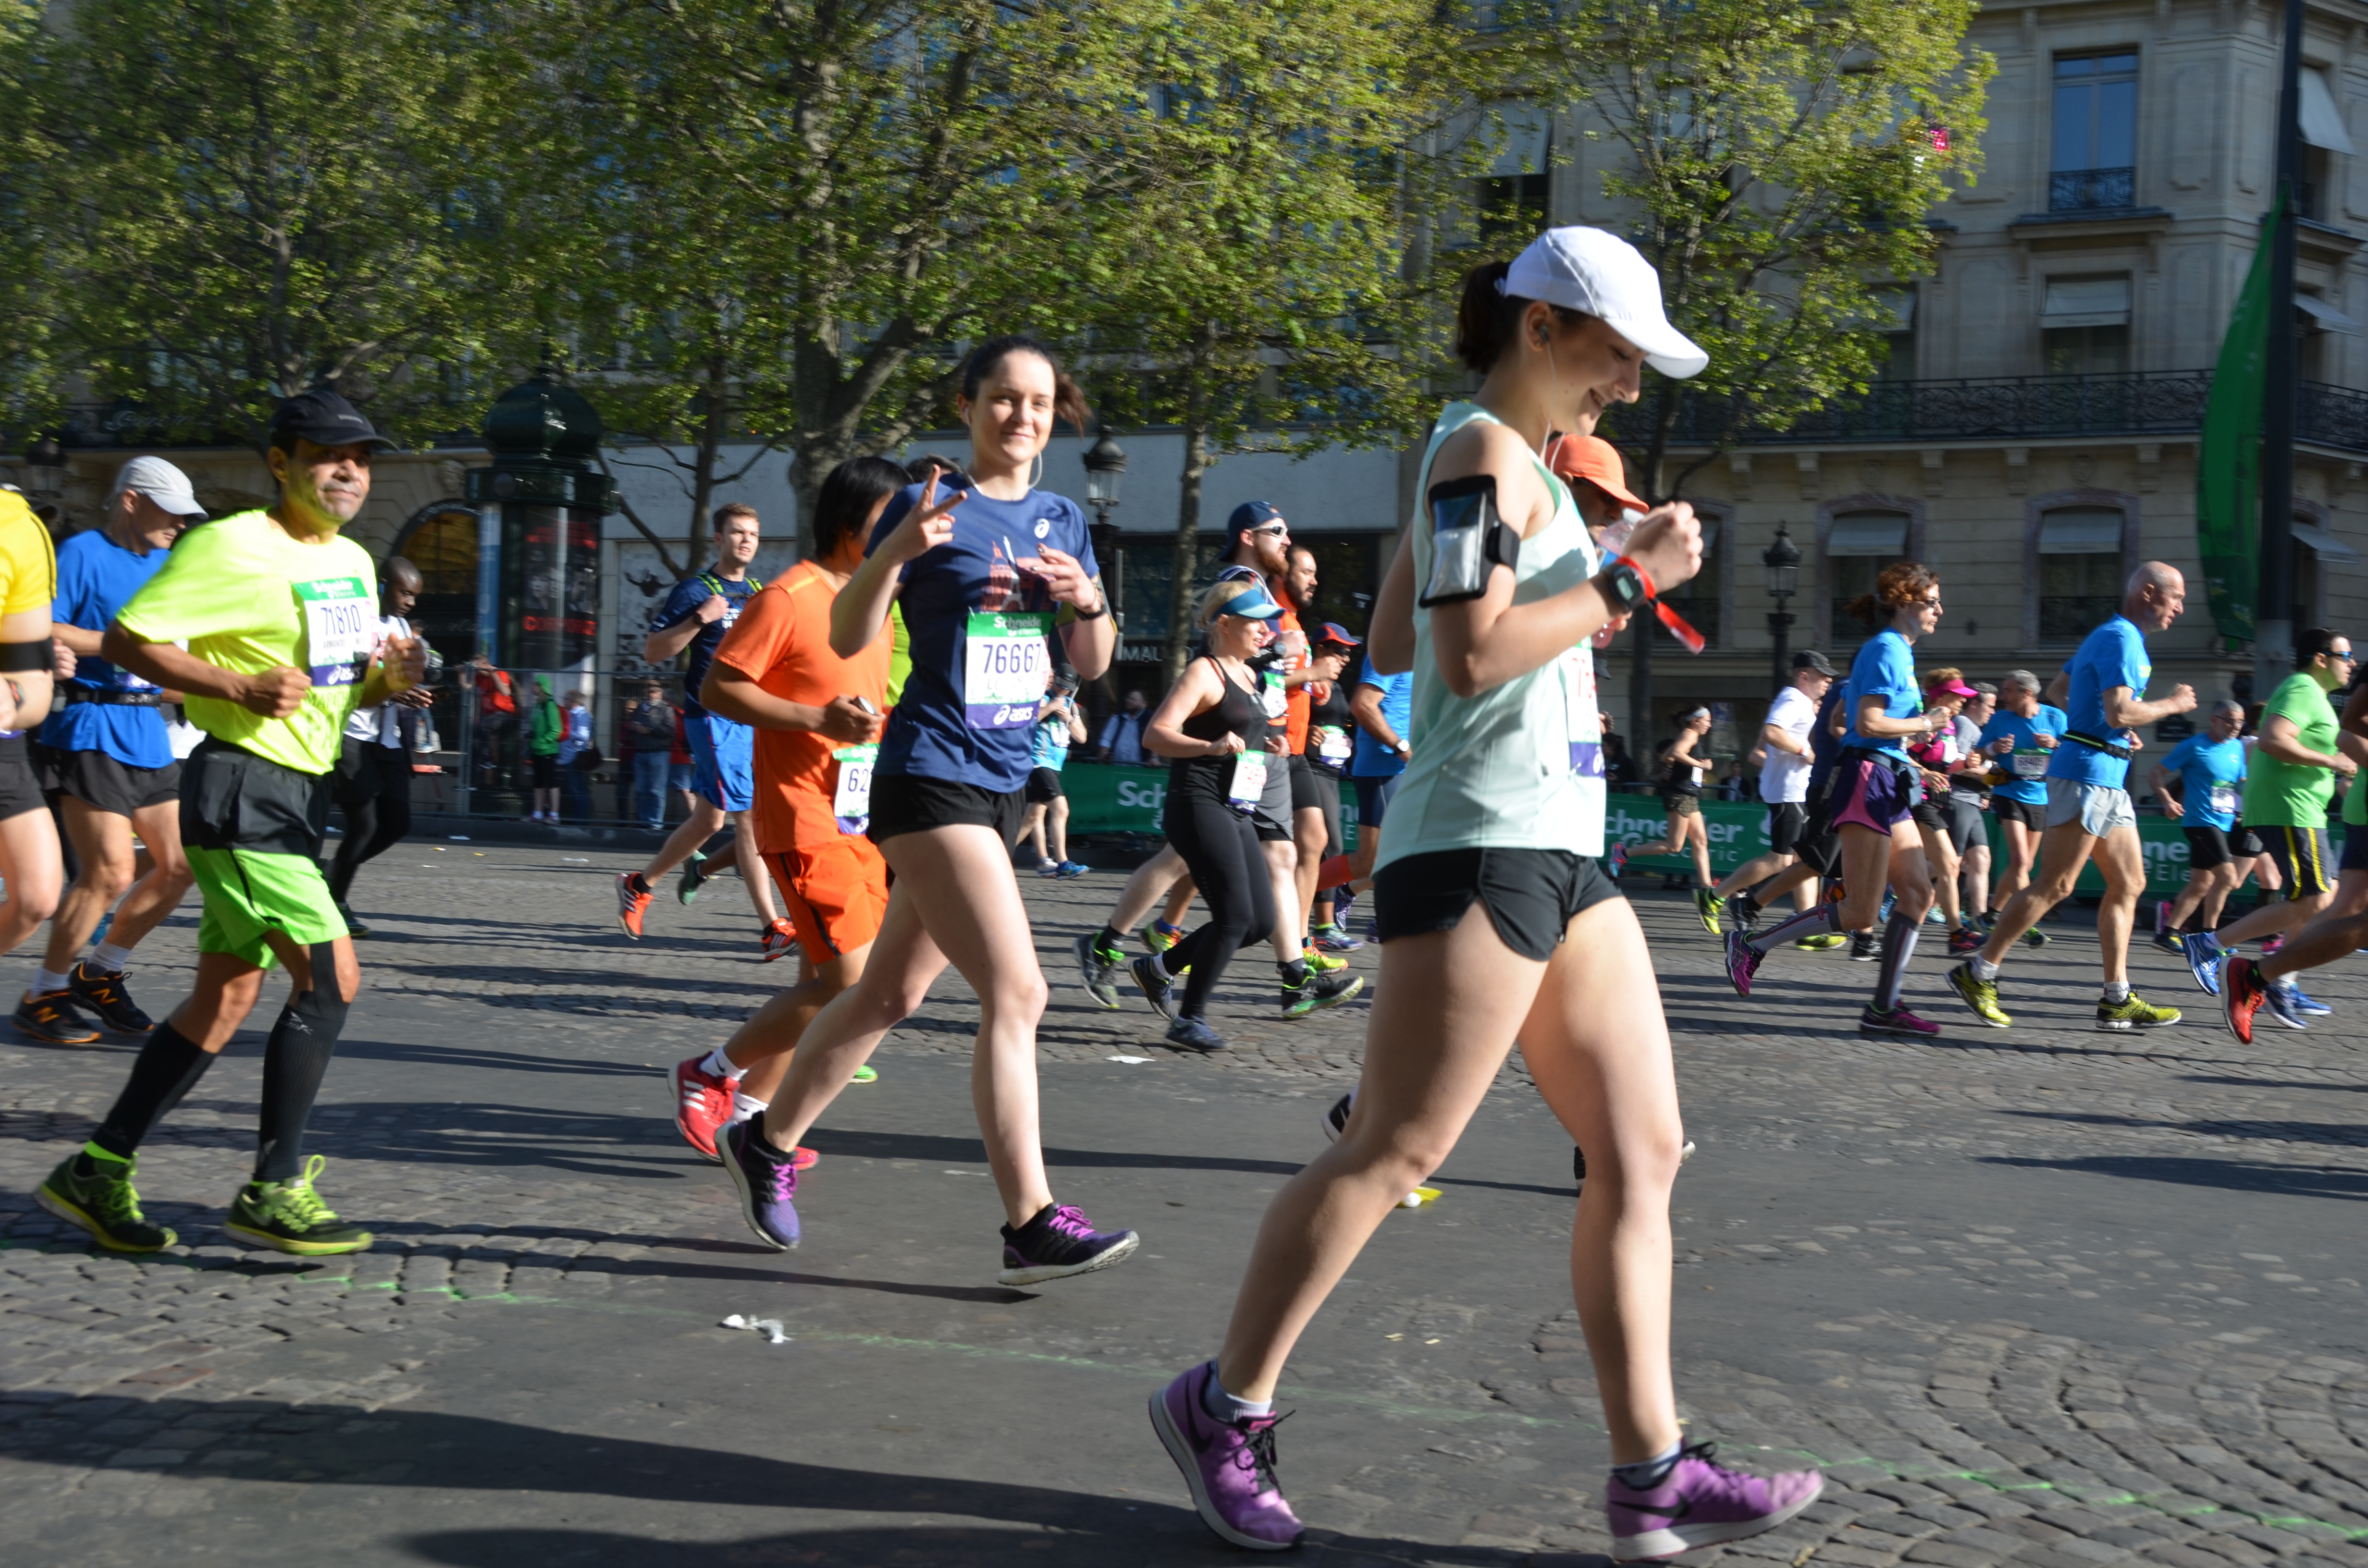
point(1604, 276)
point(161, 483)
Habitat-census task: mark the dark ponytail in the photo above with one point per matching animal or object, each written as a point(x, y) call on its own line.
point(1068, 402)
point(1488, 318)
point(849, 493)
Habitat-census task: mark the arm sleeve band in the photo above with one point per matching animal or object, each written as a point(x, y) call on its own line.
point(18, 658)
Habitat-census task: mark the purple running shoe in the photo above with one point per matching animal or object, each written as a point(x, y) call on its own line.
point(1059, 1241)
point(767, 1183)
point(1896, 1023)
point(1742, 962)
point(1230, 1469)
point(1701, 1504)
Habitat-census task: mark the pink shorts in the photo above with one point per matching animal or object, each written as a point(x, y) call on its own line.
point(1871, 794)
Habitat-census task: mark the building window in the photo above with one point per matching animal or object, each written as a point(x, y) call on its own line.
point(2085, 325)
point(2095, 153)
point(2323, 138)
point(1513, 210)
point(2079, 570)
point(1698, 597)
point(1858, 547)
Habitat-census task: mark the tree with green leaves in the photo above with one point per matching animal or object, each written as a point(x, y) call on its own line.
point(251, 196)
point(1778, 162)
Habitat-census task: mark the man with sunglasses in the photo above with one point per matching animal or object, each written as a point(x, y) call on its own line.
point(2089, 807)
point(2288, 785)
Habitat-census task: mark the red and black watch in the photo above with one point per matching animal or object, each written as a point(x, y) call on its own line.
point(1625, 585)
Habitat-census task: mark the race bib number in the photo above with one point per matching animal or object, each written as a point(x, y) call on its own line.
point(340, 629)
point(1004, 662)
point(1249, 781)
point(1333, 744)
point(2224, 799)
point(2031, 764)
point(1277, 700)
point(850, 798)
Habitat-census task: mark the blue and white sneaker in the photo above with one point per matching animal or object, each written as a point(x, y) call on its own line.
point(2303, 1000)
point(2205, 956)
point(1882, 916)
point(2282, 1003)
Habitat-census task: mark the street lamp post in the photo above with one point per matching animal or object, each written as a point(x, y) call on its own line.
point(1783, 559)
point(1105, 467)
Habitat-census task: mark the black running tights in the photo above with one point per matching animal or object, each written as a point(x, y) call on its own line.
point(1229, 866)
point(375, 825)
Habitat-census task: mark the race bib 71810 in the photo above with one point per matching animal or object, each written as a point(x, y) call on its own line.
point(340, 628)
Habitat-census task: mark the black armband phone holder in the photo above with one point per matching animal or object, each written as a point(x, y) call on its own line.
point(1469, 540)
point(19, 658)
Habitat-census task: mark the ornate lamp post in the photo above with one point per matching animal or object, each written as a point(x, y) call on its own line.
point(1105, 467)
point(1783, 559)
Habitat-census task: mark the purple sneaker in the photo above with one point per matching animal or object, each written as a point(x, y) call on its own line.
point(768, 1184)
point(1742, 962)
point(1897, 1023)
point(1701, 1504)
point(1230, 1469)
point(1059, 1241)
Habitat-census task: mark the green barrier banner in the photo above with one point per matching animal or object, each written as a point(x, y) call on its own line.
point(1108, 797)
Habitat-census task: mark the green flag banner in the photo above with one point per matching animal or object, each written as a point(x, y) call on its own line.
point(2228, 464)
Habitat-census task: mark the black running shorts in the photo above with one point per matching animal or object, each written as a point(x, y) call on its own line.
point(2355, 848)
point(1532, 895)
point(906, 802)
point(2207, 848)
point(2302, 857)
point(1044, 786)
point(1786, 819)
point(106, 784)
point(21, 781)
point(2032, 815)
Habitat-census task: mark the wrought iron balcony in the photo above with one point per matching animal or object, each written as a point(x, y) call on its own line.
point(2012, 408)
point(2091, 190)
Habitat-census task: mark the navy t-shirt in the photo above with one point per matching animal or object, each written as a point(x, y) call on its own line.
point(97, 577)
point(683, 604)
point(977, 627)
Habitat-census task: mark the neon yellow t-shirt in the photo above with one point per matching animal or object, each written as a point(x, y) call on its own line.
point(29, 563)
point(244, 596)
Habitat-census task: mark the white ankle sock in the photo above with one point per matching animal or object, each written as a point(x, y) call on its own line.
point(110, 958)
point(720, 1065)
point(1228, 1409)
point(742, 1107)
point(46, 981)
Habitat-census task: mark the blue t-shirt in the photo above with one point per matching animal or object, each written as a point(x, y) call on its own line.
point(1884, 667)
point(1051, 747)
point(965, 715)
point(2031, 789)
point(97, 577)
point(1372, 759)
point(2202, 763)
point(2114, 655)
point(682, 604)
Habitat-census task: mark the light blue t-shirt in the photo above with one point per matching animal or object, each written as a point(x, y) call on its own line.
point(2114, 655)
point(2031, 789)
point(1372, 759)
point(97, 577)
point(1052, 746)
point(1884, 667)
point(2213, 774)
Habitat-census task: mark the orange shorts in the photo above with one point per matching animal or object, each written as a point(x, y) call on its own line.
point(835, 893)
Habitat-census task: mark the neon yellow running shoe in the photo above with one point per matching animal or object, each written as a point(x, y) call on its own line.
point(1981, 996)
point(289, 1216)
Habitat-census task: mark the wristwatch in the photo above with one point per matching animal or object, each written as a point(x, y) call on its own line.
point(1625, 585)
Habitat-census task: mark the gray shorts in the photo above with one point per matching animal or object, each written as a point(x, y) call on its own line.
point(2098, 808)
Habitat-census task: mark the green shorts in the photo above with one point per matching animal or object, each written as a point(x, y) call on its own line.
point(252, 895)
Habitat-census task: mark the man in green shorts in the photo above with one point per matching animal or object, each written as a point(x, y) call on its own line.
point(278, 620)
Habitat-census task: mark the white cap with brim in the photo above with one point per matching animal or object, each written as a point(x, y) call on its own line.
point(161, 483)
point(1603, 276)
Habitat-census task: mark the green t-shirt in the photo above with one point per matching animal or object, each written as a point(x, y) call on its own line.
point(2280, 794)
point(241, 595)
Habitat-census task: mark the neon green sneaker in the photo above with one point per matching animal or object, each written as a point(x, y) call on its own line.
point(99, 1198)
point(2134, 1013)
point(289, 1216)
point(1321, 963)
point(1823, 942)
point(1706, 909)
point(1981, 996)
point(867, 1074)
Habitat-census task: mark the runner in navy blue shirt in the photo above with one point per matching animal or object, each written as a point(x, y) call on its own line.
point(697, 613)
point(105, 757)
point(985, 568)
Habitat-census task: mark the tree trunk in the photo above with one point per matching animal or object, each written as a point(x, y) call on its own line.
point(713, 422)
point(1180, 581)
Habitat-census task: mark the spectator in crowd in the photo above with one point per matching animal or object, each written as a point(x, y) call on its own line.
point(575, 743)
point(548, 724)
point(1121, 737)
point(649, 731)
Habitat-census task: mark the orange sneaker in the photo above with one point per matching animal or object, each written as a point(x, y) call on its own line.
point(631, 904)
point(781, 937)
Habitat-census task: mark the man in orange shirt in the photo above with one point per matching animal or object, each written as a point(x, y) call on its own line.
point(817, 718)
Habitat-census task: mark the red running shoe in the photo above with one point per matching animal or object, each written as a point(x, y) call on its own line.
point(702, 1105)
point(779, 939)
point(2241, 995)
point(631, 904)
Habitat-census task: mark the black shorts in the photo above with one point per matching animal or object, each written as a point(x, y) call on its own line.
point(1313, 790)
point(1273, 818)
point(2302, 857)
point(906, 803)
point(546, 771)
point(1786, 822)
point(2355, 849)
point(236, 800)
point(2208, 848)
point(2033, 815)
point(21, 781)
point(1044, 786)
point(2245, 844)
point(1963, 816)
point(1931, 812)
point(1532, 895)
point(105, 784)
point(1373, 796)
point(366, 771)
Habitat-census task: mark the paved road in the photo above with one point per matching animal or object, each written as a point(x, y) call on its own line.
point(2039, 1295)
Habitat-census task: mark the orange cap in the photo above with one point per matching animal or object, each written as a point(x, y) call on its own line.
point(1596, 460)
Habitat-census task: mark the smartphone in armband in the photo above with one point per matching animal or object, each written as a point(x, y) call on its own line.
point(1469, 540)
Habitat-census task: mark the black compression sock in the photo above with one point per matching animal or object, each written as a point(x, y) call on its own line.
point(169, 1066)
point(295, 1060)
point(1295, 974)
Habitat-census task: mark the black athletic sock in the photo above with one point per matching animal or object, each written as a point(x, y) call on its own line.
point(1295, 974)
point(295, 1060)
point(640, 884)
point(1898, 946)
point(1110, 939)
point(168, 1067)
point(1810, 923)
point(1750, 904)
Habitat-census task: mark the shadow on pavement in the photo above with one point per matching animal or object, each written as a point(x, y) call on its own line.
point(2342, 1133)
point(2234, 1175)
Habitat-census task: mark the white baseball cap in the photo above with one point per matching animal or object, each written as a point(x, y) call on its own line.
point(1604, 276)
point(161, 483)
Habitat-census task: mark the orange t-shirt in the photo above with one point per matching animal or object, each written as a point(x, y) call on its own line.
point(1299, 702)
point(783, 642)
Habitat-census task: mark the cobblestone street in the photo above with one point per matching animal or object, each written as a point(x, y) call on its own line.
point(2040, 1295)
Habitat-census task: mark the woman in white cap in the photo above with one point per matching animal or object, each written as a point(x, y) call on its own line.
point(1496, 919)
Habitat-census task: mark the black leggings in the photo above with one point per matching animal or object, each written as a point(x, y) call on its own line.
point(1222, 850)
point(378, 813)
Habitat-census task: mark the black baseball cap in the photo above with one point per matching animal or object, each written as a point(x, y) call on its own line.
point(1810, 659)
point(325, 419)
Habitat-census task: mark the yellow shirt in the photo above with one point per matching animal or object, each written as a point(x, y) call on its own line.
point(29, 562)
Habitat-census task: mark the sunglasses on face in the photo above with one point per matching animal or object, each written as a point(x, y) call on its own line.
point(1271, 530)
